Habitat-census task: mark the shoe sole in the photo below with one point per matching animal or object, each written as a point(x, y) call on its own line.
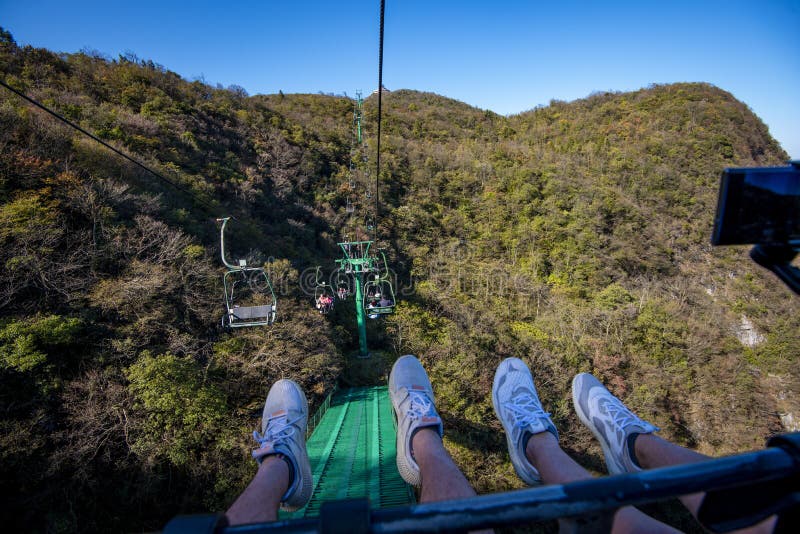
point(612, 470)
point(511, 446)
point(407, 472)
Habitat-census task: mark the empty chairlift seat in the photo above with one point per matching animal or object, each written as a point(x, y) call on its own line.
point(253, 312)
point(249, 296)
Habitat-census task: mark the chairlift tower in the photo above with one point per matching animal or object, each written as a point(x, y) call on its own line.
point(357, 116)
point(358, 261)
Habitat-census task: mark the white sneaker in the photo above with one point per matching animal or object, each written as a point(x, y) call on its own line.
point(412, 399)
point(519, 410)
point(610, 421)
point(283, 431)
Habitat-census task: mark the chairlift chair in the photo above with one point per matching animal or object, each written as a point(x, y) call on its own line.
point(322, 290)
point(249, 296)
point(378, 289)
point(344, 284)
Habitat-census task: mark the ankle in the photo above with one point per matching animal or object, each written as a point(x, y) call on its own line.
point(423, 439)
point(539, 444)
point(639, 448)
point(277, 464)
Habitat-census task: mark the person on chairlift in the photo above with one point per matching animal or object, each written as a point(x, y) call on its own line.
point(324, 303)
point(629, 444)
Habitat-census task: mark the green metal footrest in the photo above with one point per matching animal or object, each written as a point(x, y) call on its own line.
point(352, 452)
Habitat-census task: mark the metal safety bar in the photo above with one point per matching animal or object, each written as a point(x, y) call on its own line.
point(587, 505)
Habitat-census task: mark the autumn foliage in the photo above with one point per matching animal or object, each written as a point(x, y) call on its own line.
point(573, 235)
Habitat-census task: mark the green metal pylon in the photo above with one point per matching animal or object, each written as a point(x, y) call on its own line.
point(357, 116)
point(357, 261)
point(361, 317)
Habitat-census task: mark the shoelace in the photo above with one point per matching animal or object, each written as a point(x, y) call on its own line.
point(421, 406)
point(620, 415)
point(278, 429)
point(525, 409)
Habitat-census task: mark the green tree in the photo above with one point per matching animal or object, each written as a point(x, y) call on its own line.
point(181, 409)
point(26, 344)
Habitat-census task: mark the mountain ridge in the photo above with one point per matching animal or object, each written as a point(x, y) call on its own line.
point(573, 235)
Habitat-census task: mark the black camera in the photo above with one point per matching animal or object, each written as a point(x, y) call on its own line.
point(761, 206)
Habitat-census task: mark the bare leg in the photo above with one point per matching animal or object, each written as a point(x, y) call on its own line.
point(441, 479)
point(557, 467)
point(653, 451)
point(260, 500)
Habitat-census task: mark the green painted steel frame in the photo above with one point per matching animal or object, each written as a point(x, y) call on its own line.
point(353, 452)
point(357, 261)
point(357, 115)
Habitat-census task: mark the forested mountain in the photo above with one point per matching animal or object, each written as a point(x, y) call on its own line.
point(574, 235)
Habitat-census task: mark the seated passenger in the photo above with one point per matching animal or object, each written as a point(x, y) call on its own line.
point(629, 444)
point(373, 303)
point(385, 302)
point(324, 303)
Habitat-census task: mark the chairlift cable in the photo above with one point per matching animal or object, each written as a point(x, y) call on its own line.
point(158, 175)
point(380, 94)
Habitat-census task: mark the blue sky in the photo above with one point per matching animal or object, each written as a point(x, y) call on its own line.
point(506, 56)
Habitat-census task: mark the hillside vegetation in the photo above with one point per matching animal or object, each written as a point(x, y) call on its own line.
point(574, 236)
